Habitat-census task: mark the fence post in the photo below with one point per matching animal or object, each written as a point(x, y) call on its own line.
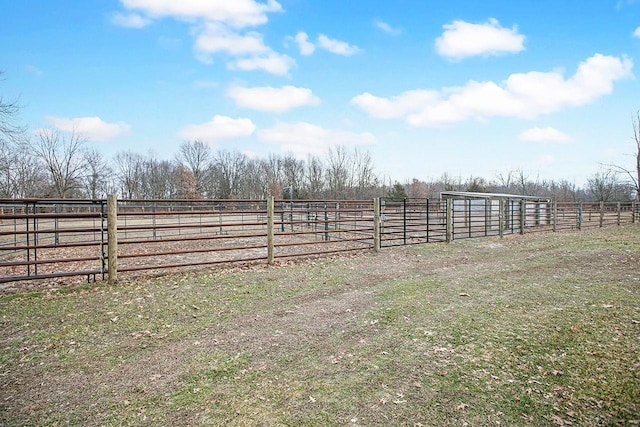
point(580, 217)
point(634, 206)
point(270, 209)
point(449, 226)
point(404, 220)
point(618, 208)
point(554, 215)
point(601, 214)
point(112, 238)
point(523, 215)
point(501, 205)
point(376, 224)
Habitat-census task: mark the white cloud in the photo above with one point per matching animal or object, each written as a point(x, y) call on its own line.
point(463, 39)
point(383, 26)
point(302, 139)
point(92, 128)
point(132, 20)
point(636, 33)
point(525, 95)
point(305, 46)
point(219, 27)
point(276, 100)
point(396, 106)
point(217, 129)
point(273, 63)
point(236, 13)
point(249, 50)
point(217, 38)
point(546, 134)
point(336, 46)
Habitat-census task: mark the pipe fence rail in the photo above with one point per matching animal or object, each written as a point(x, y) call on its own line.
point(52, 238)
point(49, 239)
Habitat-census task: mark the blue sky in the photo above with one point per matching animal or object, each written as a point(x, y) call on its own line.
point(465, 87)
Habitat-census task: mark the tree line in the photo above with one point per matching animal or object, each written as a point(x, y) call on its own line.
point(55, 164)
point(50, 163)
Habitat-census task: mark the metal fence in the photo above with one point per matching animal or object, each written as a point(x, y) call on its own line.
point(52, 238)
point(46, 239)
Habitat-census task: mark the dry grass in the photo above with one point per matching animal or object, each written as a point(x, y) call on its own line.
point(533, 330)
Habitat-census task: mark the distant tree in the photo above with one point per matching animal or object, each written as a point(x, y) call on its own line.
point(314, 177)
point(20, 175)
point(63, 156)
point(477, 185)
point(97, 177)
point(449, 183)
point(564, 191)
point(129, 169)
point(397, 192)
point(365, 180)
point(338, 173)
point(228, 172)
point(196, 157)
point(158, 179)
point(186, 183)
point(633, 174)
point(293, 177)
point(604, 186)
point(419, 189)
point(10, 130)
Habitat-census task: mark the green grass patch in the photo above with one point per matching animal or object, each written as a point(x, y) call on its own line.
point(527, 330)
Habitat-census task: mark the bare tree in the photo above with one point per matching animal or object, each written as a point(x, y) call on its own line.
point(314, 177)
point(477, 185)
point(505, 181)
point(62, 155)
point(338, 173)
point(419, 189)
point(633, 175)
point(157, 179)
point(253, 181)
point(564, 191)
point(129, 169)
point(604, 186)
point(293, 177)
point(196, 156)
point(29, 178)
point(228, 172)
point(98, 174)
point(185, 183)
point(364, 179)
point(10, 130)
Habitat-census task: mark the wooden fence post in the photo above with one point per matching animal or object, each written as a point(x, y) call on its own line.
point(112, 238)
point(554, 215)
point(501, 219)
point(270, 209)
point(523, 215)
point(618, 208)
point(580, 216)
point(634, 206)
point(449, 226)
point(376, 224)
point(601, 214)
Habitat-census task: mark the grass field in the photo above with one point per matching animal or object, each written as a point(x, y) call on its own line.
point(529, 330)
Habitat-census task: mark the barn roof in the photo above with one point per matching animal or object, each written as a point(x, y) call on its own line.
point(472, 195)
